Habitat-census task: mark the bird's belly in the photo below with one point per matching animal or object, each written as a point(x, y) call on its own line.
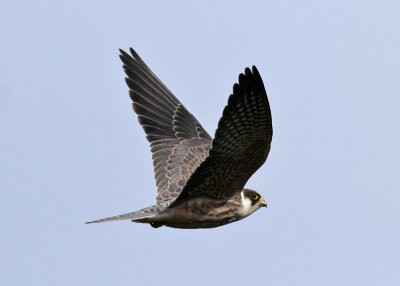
point(200, 213)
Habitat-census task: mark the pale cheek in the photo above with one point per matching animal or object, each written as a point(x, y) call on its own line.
point(247, 207)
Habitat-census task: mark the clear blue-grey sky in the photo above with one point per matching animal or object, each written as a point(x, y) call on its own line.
point(71, 149)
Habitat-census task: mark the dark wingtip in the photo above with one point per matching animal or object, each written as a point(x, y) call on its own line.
point(134, 53)
point(257, 75)
point(123, 53)
point(242, 79)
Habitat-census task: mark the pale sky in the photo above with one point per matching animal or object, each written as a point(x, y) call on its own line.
point(71, 149)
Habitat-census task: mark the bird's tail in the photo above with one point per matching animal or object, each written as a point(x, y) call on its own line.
point(142, 215)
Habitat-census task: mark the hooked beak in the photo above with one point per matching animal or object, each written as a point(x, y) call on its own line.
point(263, 203)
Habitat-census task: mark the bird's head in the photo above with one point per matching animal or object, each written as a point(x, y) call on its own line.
point(251, 201)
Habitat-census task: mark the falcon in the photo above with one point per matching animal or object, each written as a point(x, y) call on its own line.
point(200, 181)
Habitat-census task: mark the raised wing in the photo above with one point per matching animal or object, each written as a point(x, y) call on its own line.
point(178, 142)
point(241, 144)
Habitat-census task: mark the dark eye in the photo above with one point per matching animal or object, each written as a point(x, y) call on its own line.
point(254, 196)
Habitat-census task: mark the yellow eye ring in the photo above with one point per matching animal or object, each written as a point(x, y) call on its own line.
point(254, 196)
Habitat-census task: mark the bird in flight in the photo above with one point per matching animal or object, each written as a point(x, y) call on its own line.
point(200, 181)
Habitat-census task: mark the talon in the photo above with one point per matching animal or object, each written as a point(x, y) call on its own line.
point(156, 224)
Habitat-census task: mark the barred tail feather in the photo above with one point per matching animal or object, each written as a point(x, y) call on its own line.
point(138, 216)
